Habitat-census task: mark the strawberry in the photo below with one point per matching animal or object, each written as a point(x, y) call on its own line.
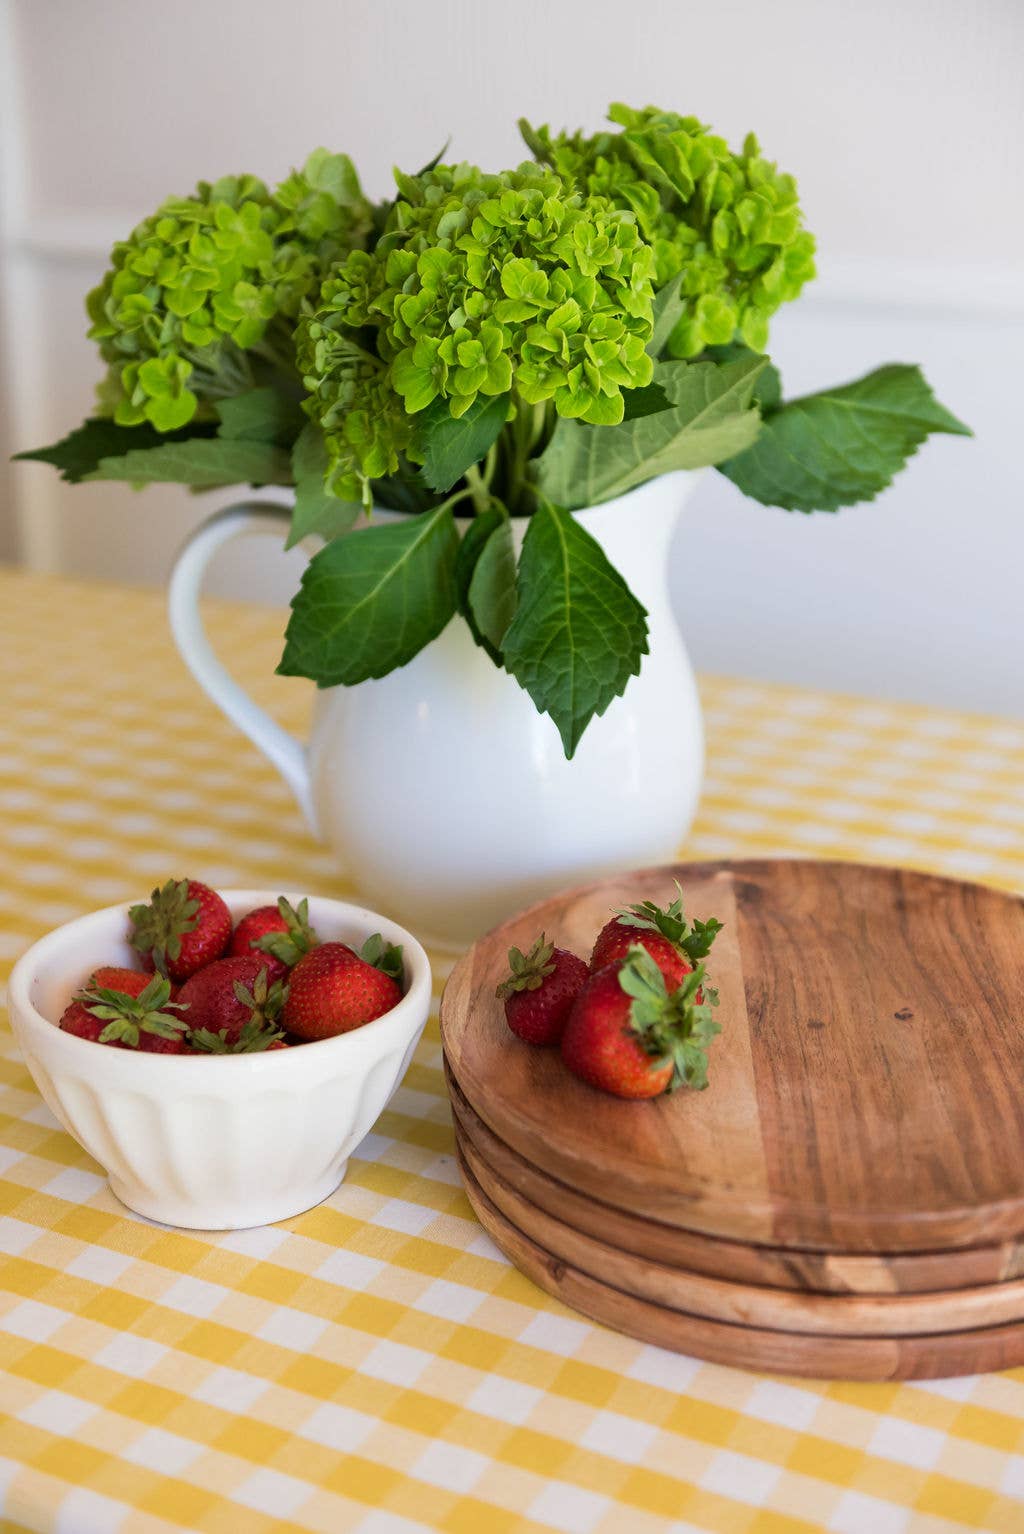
point(279, 931)
point(674, 944)
point(127, 1019)
point(227, 997)
point(333, 989)
point(185, 926)
point(540, 989)
point(110, 978)
point(636, 1034)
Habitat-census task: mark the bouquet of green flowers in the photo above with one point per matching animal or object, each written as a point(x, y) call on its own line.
point(483, 346)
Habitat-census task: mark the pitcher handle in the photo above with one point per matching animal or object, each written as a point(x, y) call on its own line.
point(286, 753)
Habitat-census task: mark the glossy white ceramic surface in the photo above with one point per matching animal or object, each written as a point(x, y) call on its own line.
point(214, 1142)
point(441, 790)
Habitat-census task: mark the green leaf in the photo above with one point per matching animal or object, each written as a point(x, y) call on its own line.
point(316, 510)
point(579, 634)
point(202, 461)
point(451, 446)
point(261, 415)
point(492, 587)
point(370, 602)
point(711, 419)
point(435, 161)
point(82, 450)
point(843, 445)
point(768, 393)
point(666, 313)
point(473, 541)
point(404, 490)
point(646, 401)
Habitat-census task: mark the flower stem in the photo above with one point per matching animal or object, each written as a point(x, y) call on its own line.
point(478, 489)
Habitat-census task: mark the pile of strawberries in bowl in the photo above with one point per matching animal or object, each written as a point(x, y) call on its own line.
point(161, 1037)
point(208, 985)
point(636, 1020)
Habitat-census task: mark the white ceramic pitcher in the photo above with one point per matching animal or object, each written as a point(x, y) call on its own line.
point(444, 794)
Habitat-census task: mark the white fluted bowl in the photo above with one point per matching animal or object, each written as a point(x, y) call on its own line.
point(214, 1142)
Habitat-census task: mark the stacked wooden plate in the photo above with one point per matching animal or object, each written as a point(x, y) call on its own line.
point(846, 1200)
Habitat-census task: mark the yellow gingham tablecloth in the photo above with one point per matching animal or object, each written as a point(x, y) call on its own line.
point(376, 1364)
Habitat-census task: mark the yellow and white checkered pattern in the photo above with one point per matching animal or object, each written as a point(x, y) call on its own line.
point(376, 1365)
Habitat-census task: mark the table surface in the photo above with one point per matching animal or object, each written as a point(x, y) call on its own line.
point(376, 1364)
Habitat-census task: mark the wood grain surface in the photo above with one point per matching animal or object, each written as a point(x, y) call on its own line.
point(933, 1356)
point(871, 1273)
point(785, 1310)
point(866, 1089)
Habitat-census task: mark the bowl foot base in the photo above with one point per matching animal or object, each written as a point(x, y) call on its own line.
point(240, 1214)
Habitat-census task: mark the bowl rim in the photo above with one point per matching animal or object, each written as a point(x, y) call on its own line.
point(402, 1019)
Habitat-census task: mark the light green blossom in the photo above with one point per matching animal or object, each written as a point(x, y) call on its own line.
point(728, 224)
point(201, 299)
point(480, 285)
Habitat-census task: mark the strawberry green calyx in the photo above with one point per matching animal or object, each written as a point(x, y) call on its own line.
point(671, 1025)
point(528, 972)
point(128, 1016)
point(692, 938)
point(255, 1037)
point(387, 957)
point(265, 1003)
point(264, 1000)
point(158, 928)
point(299, 939)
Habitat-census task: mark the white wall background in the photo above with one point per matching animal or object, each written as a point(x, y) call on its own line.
point(902, 121)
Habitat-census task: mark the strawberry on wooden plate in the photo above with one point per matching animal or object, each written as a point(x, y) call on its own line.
point(675, 944)
point(635, 1034)
point(540, 989)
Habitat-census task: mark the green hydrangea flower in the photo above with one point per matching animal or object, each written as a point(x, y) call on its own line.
point(202, 298)
point(479, 285)
point(730, 224)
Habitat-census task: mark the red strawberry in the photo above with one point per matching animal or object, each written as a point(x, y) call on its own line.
point(124, 1019)
point(185, 926)
point(162, 1044)
point(228, 997)
point(110, 978)
point(279, 931)
point(540, 990)
point(635, 1034)
point(674, 945)
point(333, 989)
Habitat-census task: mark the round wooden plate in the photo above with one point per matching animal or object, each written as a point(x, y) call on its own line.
point(873, 1273)
point(866, 1089)
point(932, 1356)
point(782, 1310)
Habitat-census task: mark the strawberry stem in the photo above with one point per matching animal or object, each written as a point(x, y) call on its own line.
point(694, 939)
point(527, 972)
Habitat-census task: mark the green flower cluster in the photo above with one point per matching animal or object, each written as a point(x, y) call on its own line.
point(729, 224)
point(203, 295)
point(479, 285)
